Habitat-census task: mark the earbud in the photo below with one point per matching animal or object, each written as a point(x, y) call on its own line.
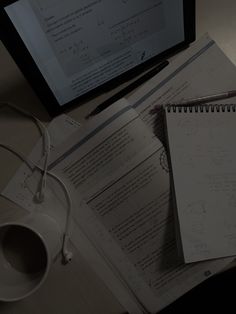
point(39, 197)
point(67, 256)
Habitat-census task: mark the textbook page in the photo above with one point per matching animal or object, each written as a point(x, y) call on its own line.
point(118, 176)
point(202, 69)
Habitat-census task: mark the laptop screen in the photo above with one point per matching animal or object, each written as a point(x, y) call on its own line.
point(80, 45)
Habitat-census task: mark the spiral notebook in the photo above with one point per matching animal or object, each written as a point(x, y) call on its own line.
point(202, 150)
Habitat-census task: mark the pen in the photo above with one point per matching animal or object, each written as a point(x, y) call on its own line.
point(209, 98)
point(198, 100)
point(128, 88)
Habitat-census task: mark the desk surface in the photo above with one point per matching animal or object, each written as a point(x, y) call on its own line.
point(75, 288)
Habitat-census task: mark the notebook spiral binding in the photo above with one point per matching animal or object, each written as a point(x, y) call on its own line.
point(178, 108)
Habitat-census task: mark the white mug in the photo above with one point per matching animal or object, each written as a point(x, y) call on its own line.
point(27, 249)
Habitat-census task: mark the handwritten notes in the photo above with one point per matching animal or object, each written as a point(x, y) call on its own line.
point(203, 153)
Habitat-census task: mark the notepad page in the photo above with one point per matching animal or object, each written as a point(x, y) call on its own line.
point(202, 147)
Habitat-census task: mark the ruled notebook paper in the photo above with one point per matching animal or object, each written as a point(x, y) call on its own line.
point(202, 147)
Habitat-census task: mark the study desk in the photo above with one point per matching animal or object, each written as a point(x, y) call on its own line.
point(75, 289)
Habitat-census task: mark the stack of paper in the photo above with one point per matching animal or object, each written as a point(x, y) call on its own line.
point(117, 173)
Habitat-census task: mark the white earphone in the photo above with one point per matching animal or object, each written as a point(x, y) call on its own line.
point(40, 195)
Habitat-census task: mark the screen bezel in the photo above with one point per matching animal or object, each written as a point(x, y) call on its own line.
point(30, 70)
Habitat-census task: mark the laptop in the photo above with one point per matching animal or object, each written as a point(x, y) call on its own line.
point(71, 51)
